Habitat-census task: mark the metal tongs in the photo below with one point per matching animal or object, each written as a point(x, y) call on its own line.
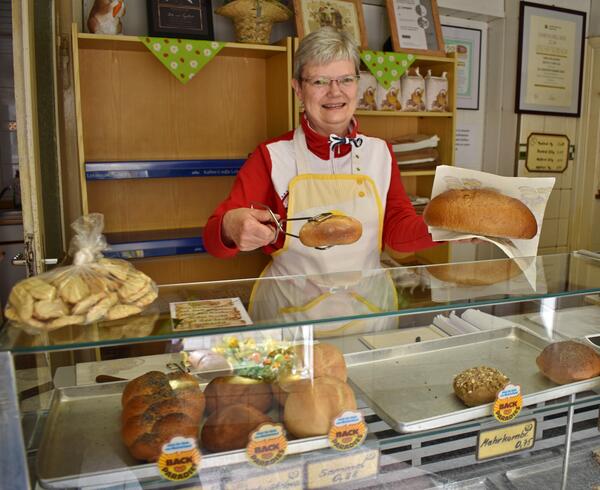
point(280, 223)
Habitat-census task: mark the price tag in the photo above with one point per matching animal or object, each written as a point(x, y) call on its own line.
point(288, 479)
point(506, 440)
point(343, 470)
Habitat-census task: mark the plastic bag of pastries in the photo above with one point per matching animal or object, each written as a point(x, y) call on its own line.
point(93, 288)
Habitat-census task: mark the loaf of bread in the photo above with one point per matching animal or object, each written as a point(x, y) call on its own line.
point(476, 273)
point(481, 212)
point(568, 361)
point(335, 230)
point(224, 391)
point(158, 407)
point(479, 385)
point(228, 428)
point(327, 360)
point(311, 406)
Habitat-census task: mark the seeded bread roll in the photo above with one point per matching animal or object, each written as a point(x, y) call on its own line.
point(479, 385)
point(336, 230)
point(476, 273)
point(481, 212)
point(568, 361)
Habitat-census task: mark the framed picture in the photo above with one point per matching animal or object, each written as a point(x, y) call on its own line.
point(415, 26)
point(466, 44)
point(550, 60)
point(344, 15)
point(189, 19)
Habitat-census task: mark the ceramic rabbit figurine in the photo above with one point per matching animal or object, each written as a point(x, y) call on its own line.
point(105, 17)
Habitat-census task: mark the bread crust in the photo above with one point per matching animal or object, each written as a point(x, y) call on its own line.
point(158, 407)
point(481, 212)
point(311, 405)
point(336, 230)
point(224, 391)
point(568, 361)
point(479, 385)
point(476, 273)
point(229, 428)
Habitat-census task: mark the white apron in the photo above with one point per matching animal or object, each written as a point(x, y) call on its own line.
point(304, 297)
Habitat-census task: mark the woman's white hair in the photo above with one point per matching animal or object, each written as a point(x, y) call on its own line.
point(324, 46)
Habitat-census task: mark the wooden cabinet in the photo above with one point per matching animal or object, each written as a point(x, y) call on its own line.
point(156, 156)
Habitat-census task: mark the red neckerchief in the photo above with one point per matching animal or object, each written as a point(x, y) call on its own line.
point(319, 144)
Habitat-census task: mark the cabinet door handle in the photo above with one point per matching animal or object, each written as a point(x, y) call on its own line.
point(19, 260)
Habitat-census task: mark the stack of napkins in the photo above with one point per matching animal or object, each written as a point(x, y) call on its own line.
point(470, 321)
point(416, 151)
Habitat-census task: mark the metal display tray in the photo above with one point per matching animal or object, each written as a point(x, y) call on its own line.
point(410, 386)
point(81, 445)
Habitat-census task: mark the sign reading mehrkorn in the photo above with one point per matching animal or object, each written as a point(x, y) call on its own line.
point(506, 440)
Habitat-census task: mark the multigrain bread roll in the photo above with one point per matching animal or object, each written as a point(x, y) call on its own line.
point(479, 385)
point(229, 428)
point(481, 212)
point(311, 406)
point(568, 361)
point(224, 391)
point(327, 360)
point(158, 407)
point(476, 273)
point(336, 230)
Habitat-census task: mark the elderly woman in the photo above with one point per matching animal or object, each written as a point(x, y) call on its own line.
point(324, 165)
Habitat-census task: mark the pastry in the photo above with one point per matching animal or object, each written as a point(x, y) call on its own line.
point(479, 385)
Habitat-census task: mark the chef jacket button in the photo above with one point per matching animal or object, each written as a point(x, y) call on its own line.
point(361, 194)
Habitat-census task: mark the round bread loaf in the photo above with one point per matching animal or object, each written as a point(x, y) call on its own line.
point(237, 390)
point(311, 406)
point(479, 385)
point(476, 273)
point(568, 361)
point(158, 407)
point(228, 428)
point(481, 212)
point(327, 360)
point(335, 230)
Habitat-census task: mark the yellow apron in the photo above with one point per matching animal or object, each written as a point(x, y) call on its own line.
point(314, 293)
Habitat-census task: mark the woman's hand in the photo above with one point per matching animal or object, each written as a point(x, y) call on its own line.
point(247, 228)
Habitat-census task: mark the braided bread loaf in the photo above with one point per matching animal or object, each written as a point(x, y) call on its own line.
point(158, 407)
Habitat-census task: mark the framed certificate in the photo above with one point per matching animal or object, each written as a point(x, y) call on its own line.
point(550, 61)
point(415, 26)
point(466, 44)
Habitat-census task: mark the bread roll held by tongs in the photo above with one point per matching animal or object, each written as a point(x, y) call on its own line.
point(321, 231)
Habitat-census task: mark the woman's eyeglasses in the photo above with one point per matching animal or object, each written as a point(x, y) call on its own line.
point(346, 81)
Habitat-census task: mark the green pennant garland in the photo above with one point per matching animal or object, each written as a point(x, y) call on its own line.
point(182, 57)
point(387, 67)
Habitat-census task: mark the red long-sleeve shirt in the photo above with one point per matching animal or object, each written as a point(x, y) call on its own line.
point(403, 229)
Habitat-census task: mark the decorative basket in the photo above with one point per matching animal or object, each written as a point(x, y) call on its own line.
point(254, 19)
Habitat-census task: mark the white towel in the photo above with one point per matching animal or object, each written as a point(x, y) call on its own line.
point(485, 321)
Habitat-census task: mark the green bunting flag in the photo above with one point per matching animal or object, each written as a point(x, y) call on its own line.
point(182, 57)
point(387, 67)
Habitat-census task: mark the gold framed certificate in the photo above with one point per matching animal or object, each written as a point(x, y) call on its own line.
point(550, 61)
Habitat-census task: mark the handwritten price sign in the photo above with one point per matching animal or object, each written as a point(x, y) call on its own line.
point(506, 440)
point(343, 470)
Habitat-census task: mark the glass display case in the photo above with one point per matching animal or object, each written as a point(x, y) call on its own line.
point(345, 380)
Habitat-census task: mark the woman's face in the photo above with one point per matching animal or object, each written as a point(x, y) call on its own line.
point(329, 107)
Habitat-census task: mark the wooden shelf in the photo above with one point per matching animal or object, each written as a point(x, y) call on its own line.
point(416, 173)
point(133, 43)
point(154, 243)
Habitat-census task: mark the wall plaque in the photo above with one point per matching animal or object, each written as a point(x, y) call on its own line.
point(547, 153)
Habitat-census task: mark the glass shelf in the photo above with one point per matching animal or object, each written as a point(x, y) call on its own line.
point(545, 281)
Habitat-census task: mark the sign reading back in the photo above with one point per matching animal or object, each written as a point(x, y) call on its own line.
point(547, 152)
point(506, 440)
